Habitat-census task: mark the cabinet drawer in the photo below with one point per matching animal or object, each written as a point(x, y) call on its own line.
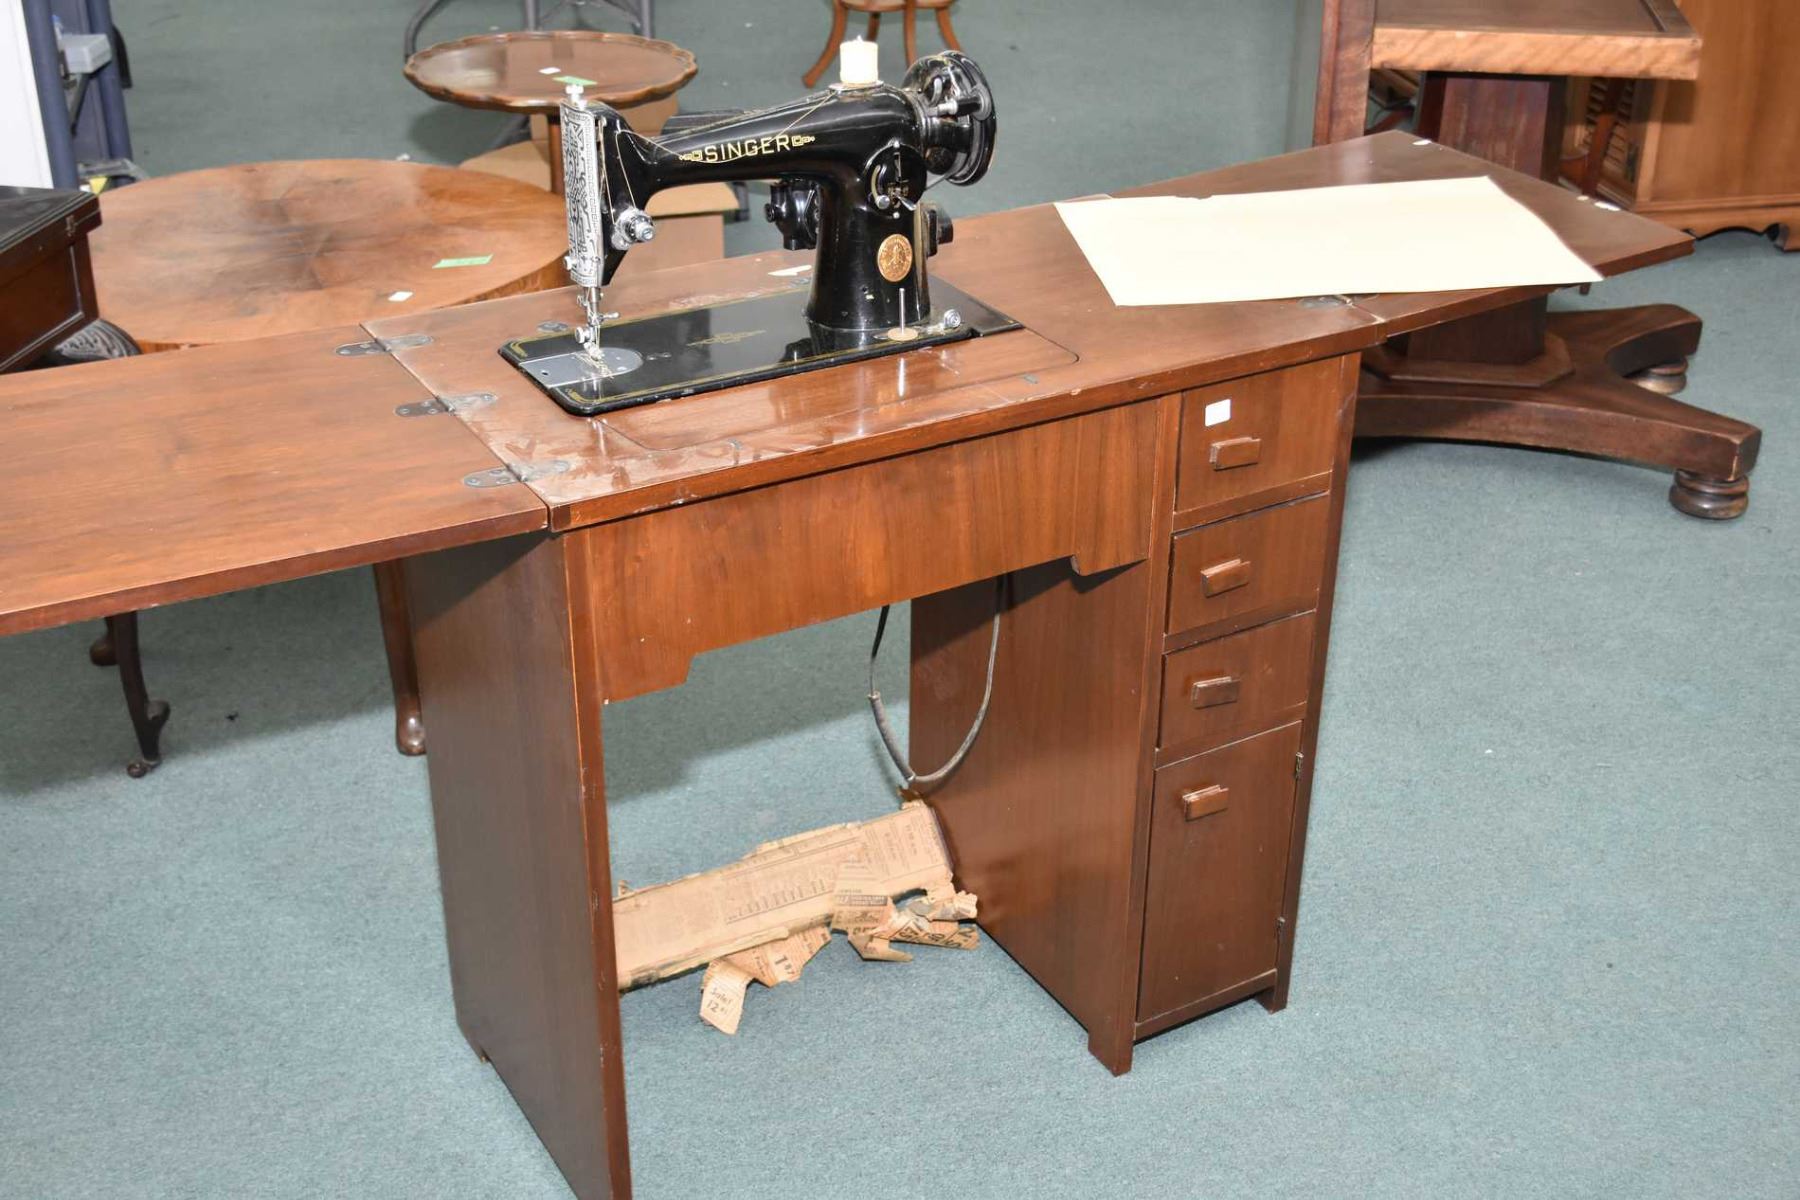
point(1236, 684)
point(1248, 569)
point(1219, 834)
point(1272, 431)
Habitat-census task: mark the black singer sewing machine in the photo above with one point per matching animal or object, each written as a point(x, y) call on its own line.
point(851, 166)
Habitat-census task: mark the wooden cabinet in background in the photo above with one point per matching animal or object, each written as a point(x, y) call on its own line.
point(1718, 152)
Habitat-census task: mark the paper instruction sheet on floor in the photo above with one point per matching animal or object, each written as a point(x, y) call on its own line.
point(762, 918)
point(1428, 236)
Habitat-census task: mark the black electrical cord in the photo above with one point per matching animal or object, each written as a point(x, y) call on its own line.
point(914, 780)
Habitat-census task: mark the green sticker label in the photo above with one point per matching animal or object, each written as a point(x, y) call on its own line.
point(576, 79)
point(480, 260)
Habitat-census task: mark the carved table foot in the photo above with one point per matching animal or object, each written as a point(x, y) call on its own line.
point(1710, 499)
point(403, 671)
point(409, 732)
point(147, 716)
point(1668, 378)
point(1595, 408)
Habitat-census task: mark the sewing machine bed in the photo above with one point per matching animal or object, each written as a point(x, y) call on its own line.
point(695, 350)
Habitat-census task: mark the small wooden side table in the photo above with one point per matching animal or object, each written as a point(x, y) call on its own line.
point(259, 249)
point(1496, 79)
point(528, 72)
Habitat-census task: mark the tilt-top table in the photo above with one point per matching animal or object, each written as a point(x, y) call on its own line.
point(528, 73)
point(1161, 489)
point(1599, 381)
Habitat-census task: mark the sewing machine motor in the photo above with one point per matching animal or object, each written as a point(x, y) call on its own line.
point(851, 166)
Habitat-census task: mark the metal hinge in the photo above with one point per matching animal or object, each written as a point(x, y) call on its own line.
point(515, 473)
point(1299, 762)
point(384, 345)
point(445, 404)
point(1280, 927)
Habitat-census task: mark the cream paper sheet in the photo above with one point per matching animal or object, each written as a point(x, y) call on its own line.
point(1428, 236)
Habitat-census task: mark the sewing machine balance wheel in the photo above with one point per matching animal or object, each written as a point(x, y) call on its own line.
point(851, 163)
point(952, 83)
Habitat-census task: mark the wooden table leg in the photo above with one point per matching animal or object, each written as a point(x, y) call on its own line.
point(554, 122)
point(1521, 376)
point(518, 799)
point(839, 14)
point(403, 672)
point(147, 716)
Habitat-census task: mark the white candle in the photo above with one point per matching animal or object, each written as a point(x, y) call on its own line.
point(859, 63)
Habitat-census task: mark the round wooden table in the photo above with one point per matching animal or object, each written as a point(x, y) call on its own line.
point(259, 249)
point(528, 72)
point(247, 251)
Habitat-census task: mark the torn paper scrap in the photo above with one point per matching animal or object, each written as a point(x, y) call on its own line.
point(722, 996)
point(781, 961)
point(778, 889)
point(1427, 235)
point(764, 917)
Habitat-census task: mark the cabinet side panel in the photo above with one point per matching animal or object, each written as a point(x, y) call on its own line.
point(517, 798)
point(1040, 817)
point(1276, 998)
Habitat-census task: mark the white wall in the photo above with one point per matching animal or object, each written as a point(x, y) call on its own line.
point(23, 160)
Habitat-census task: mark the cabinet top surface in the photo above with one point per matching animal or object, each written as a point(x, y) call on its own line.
point(26, 212)
point(1616, 38)
point(1633, 18)
point(139, 481)
point(178, 475)
point(1079, 351)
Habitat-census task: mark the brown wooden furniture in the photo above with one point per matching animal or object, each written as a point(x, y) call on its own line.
point(47, 294)
point(527, 73)
point(46, 273)
point(1709, 153)
point(1163, 486)
point(908, 10)
point(1495, 86)
point(262, 249)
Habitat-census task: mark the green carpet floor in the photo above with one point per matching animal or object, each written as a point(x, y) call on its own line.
point(1548, 942)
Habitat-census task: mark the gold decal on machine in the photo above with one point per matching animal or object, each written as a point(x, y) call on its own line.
point(771, 143)
point(894, 257)
point(728, 339)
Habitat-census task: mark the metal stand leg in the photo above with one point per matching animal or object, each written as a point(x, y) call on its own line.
point(421, 15)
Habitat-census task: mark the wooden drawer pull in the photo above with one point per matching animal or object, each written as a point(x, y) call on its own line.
point(1222, 577)
point(1204, 802)
point(1235, 452)
point(1210, 693)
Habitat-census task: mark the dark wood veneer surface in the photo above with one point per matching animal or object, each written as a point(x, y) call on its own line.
point(140, 481)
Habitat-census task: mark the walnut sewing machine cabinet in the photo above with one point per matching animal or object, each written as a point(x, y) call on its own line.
point(1161, 489)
